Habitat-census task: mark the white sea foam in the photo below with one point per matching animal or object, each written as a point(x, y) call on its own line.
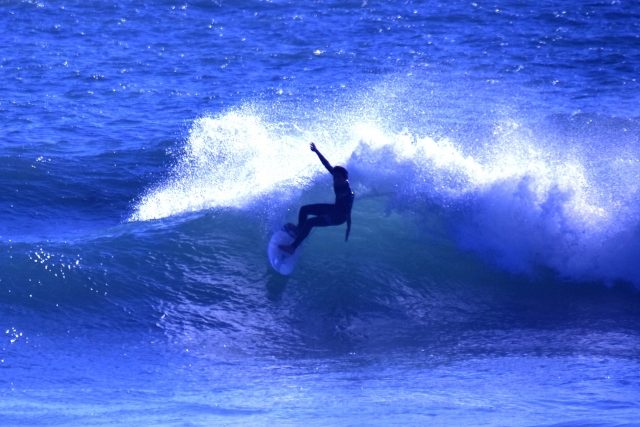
point(227, 161)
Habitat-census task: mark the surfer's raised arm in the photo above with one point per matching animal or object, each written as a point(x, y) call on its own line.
point(324, 161)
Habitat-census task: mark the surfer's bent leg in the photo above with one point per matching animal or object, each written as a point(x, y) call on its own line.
point(303, 232)
point(315, 209)
point(323, 213)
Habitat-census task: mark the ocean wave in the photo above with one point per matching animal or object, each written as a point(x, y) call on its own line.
point(520, 199)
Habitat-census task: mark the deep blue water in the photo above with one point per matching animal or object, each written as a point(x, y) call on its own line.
point(149, 150)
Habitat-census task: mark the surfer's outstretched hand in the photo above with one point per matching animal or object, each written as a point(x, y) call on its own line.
point(313, 147)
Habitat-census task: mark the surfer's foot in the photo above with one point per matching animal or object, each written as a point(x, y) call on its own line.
point(287, 248)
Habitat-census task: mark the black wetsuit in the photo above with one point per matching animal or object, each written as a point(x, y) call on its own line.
point(325, 214)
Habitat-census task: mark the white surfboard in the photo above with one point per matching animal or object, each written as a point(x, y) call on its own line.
point(282, 261)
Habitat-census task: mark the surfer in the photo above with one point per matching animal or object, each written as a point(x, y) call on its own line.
point(324, 214)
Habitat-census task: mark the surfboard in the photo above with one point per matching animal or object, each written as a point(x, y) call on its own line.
point(281, 261)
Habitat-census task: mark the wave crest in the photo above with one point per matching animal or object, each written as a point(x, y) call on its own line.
point(517, 199)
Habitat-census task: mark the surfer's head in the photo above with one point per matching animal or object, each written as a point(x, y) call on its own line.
point(340, 173)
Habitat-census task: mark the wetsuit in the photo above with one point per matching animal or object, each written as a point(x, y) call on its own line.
point(326, 214)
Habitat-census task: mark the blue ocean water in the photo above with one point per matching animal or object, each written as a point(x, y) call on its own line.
point(149, 150)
